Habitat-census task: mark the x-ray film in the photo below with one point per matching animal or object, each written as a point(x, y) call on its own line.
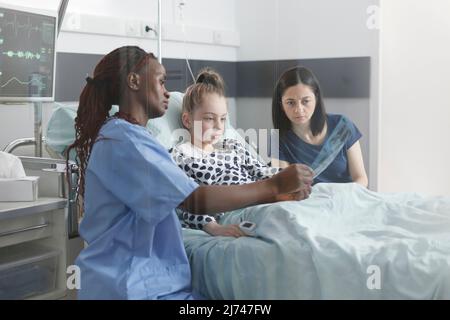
point(331, 148)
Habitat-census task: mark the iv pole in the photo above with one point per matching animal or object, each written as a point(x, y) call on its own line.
point(159, 31)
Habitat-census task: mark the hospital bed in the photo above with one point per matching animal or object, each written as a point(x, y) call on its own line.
point(344, 242)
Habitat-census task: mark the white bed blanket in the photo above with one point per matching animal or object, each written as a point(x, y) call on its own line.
point(344, 242)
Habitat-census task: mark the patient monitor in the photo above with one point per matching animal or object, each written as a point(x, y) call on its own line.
point(27, 54)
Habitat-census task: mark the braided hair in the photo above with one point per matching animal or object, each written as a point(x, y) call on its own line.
point(106, 88)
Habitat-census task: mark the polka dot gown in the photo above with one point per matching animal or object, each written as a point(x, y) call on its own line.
point(228, 164)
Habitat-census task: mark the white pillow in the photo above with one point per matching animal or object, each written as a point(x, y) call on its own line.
point(60, 133)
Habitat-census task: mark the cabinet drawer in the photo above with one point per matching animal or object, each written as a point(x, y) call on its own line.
point(27, 228)
point(27, 270)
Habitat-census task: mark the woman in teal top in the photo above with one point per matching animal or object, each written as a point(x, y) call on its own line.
point(131, 186)
point(328, 143)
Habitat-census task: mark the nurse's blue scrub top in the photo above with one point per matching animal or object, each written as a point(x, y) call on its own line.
point(293, 149)
point(135, 247)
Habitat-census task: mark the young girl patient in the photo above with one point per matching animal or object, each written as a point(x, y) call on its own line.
point(207, 158)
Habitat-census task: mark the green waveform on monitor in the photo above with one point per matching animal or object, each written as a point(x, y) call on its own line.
point(16, 25)
point(27, 55)
point(34, 81)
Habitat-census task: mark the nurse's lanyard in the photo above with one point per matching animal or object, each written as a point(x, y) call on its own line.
point(332, 147)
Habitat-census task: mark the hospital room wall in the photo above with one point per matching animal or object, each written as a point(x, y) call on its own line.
point(16, 121)
point(415, 103)
point(302, 29)
point(98, 26)
point(200, 23)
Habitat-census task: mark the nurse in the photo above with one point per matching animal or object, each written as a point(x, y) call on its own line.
point(328, 143)
point(131, 186)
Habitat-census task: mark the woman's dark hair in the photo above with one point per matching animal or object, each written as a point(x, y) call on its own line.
point(293, 77)
point(106, 88)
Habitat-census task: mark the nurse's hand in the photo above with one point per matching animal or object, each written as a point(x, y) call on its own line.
point(227, 230)
point(296, 196)
point(295, 178)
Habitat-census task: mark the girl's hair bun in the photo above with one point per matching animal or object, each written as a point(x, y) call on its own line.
point(210, 77)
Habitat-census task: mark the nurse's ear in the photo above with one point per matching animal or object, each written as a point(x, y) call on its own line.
point(186, 119)
point(133, 81)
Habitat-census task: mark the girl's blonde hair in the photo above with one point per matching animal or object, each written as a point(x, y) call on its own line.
point(208, 81)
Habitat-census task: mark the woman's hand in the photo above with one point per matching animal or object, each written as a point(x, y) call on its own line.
point(293, 179)
point(227, 230)
point(296, 196)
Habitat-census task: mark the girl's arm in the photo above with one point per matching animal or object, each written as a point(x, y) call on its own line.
point(279, 163)
point(258, 169)
point(227, 230)
point(214, 199)
point(356, 165)
point(210, 225)
point(197, 222)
